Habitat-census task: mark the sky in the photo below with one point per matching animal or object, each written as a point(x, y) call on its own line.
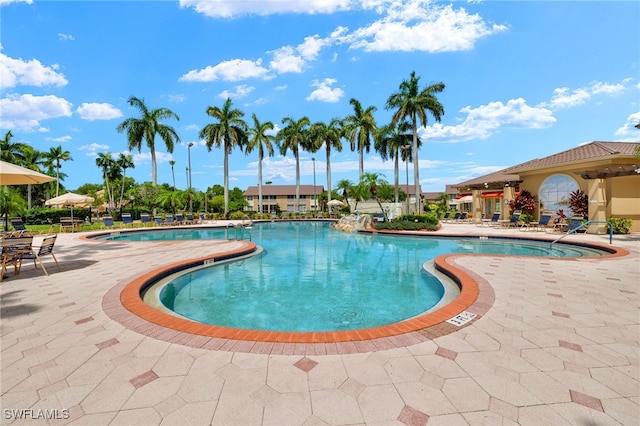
point(523, 79)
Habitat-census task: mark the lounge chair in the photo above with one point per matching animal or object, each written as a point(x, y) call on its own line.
point(17, 224)
point(107, 222)
point(455, 218)
point(46, 248)
point(203, 217)
point(145, 219)
point(158, 220)
point(127, 220)
point(169, 219)
point(541, 225)
point(575, 223)
point(179, 219)
point(189, 220)
point(490, 222)
point(515, 218)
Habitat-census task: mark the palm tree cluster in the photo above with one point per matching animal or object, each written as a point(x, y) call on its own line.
point(397, 140)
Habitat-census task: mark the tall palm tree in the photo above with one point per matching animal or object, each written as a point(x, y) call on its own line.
point(360, 127)
point(290, 138)
point(331, 135)
point(55, 155)
point(12, 152)
point(147, 127)
point(389, 141)
point(229, 132)
point(369, 185)
point(173, 174)
point(105, 161)
point(125, 161)
point(413, 103)
point(260, 139)
point(32, 160)
point(345, 186)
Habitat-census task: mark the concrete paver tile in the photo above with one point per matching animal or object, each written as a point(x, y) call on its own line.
point(425, 399)
point(108, 396)
point(140, 416)
point(335, 406)
point(195, 413)
point(466, 395)
point(238, 411)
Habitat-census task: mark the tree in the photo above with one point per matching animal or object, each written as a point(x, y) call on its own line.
point(389, 142)
point(169, 198)
point(370, 183)
point(12, 152)
point(229, 132)
point(290, 138)
point(345, 186)
point(260, 139)
point(413, 103)
point(331, 135)
point(173, 174)
point(360, 127)
point(32, 158)
point(125, 161)
point(55, 155)
point(105, 161)
point(146, 128)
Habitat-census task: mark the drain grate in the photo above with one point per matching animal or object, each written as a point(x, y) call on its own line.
point(462, 318)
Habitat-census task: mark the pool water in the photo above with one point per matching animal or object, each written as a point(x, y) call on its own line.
point(311, 277)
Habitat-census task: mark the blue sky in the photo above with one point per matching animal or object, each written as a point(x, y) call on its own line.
point(524, 79)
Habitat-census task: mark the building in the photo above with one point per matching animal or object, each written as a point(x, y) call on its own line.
point(608, 172)
point(284, 196)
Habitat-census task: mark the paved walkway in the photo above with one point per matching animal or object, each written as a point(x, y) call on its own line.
point(558, 345)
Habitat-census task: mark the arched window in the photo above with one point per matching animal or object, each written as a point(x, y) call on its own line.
point(554, 193)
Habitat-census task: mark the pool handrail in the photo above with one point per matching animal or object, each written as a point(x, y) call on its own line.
point(583, 225)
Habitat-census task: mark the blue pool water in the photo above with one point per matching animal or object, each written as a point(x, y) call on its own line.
point(311, 277)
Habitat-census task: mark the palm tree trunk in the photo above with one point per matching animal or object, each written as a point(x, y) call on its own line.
point(154, 177)
point(122, 190)
point(328, 171)
point(29, 196)
point(297, 207)
point(226, 179)
point(396, 178)
point(57, 179)
point(416, 168)
point(260, 181)
point(361, 161)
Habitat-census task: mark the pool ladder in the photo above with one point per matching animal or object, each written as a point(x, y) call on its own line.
point(584, 225)
point(240, 229)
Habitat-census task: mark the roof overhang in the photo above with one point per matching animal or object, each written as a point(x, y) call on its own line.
point(609, 172)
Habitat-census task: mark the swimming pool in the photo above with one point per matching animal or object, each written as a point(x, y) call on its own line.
point(311, 277)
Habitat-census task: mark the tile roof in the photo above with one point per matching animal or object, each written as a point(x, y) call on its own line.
point(284, 190)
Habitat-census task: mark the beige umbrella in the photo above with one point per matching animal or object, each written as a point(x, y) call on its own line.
point(70, 199)
point(335, 203)
point(11, 174)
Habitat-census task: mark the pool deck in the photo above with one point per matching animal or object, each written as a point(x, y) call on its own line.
point(555, 341)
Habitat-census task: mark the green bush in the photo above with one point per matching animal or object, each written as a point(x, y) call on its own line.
point(621, 225)
point(406, 226)
point(419, 218)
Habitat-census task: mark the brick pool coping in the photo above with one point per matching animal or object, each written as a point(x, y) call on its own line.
point(124, 304)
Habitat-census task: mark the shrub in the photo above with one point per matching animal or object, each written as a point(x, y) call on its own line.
point(420, 218)
point(406, 226)
point(524, 201)
point(621, 225)
point(579, 203)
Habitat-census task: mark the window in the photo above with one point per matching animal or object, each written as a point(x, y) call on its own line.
point(554, 193)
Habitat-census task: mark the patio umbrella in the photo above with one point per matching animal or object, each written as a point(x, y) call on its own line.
point(11, 174)
point(335, 203)
point(70, 200)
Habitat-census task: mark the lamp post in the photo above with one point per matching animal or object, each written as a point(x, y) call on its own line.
point(189, 159)
point(315, 200)
point(406, 149)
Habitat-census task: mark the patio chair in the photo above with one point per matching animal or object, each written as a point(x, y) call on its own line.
point(455, 218)
point(46, 248)
point(127, 220)
point(541, 225)
point(12, 247)
point(515, 218)
point(107, 222)
point(189, 219)
point(179, 219)
point(203, 217)
point(169, 220)
point(158, 220)
point(575, 223)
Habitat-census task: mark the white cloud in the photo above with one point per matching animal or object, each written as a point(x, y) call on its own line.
point(65, 37)
point(227, 8)
point(18, 72)
point(285, 60)
point(420, 26)
point(564, 97)
point(24, 112)
point(241, 91)
point(485, 120)
point(93, 149)
point(145, 158)
point(65, 138)
point(98, 111)
point(177, 98)
point(628, 132)
point(324, 92)
point(232, 70)
point(5, 2)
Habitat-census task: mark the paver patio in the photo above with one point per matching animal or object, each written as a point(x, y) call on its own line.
point(557, 344)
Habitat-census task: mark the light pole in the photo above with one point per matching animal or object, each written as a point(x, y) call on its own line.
point(406, 149)
point(189, 159)
point(315, 200)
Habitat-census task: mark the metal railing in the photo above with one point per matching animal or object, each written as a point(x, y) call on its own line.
point(239, 228)
point(584, 225)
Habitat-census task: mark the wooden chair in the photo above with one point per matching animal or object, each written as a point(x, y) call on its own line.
point(12, 248)
point(45, 249)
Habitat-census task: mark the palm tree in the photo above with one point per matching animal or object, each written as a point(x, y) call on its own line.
point(413, 103)
point(262, 141)
point(370, 183)
point(331, 135)
point(228, 133)
point(345, 186)
point(290, 138)
point(147, 127)
point(173, 174)
point(105, 161)
point(390, 140)
point(125, 161)
point(12, 152)
point(360, 127)
point(170, 199)
point(55, 155)
point(32, 160)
